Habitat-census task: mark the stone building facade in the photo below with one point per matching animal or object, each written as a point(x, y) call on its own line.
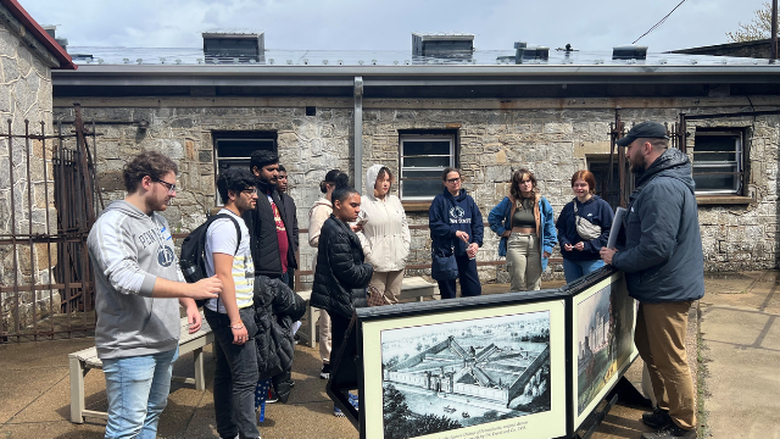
point(552, 137)
point(27, 56)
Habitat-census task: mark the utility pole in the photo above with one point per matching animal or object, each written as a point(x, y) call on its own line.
point(773, 41)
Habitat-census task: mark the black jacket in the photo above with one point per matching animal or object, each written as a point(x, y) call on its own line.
point(276, 308)
point(662, 256)
point(262, 228)
point(290, 217)
point(342, 275)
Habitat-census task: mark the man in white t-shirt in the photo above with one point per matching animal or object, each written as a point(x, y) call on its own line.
point(232, 315)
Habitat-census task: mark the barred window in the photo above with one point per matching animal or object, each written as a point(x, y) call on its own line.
point(719, 161)
point(423, 159)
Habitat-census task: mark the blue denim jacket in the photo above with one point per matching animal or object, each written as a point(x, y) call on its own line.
point(500, 220)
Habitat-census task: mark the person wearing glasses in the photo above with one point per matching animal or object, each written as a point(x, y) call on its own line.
point(457, 227)
point(524, 222)
point(137, 278)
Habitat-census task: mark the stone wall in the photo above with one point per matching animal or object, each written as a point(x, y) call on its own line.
point(552, 138)
point(25, 95)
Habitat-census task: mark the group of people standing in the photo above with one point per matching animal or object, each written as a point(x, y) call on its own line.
point(250, 255)
point(524, 222)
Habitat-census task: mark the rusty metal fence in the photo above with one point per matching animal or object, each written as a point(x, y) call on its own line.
point(46, 211)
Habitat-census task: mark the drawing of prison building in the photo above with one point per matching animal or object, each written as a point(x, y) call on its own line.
point(491, 374)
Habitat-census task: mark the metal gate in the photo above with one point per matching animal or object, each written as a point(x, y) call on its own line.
point(620, 182)
point(46, 283)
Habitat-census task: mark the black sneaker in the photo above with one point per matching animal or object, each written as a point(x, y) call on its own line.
point(658, 419)
point(670, 433)
point(325, 372)
point(272, 398)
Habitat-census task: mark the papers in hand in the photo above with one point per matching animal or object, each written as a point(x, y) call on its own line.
point(617, 224)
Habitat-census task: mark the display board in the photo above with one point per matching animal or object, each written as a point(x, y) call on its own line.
point(603, 319)
point(526, 364)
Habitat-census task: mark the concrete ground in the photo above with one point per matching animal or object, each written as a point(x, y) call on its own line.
point(737, 361)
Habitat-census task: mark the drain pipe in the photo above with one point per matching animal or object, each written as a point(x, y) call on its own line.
point(357, 152)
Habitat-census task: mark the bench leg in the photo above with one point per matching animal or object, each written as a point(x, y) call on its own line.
point(200, 379)
point(77, 373)
point(312, 315)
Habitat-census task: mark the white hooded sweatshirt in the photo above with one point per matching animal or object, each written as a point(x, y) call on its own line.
point(385, 235)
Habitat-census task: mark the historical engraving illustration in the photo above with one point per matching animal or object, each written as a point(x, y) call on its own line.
point(451, 375)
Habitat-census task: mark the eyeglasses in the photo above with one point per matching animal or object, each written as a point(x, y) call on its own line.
point(170, 186)
point(453, 180)
point(250, 192)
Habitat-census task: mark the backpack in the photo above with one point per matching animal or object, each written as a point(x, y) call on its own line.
point(193, 251)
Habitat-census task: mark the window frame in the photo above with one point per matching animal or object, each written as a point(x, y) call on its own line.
point(739, 163)
point(450, 136)
point(217, 137)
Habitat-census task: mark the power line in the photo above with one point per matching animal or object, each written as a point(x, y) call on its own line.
point(655, 26)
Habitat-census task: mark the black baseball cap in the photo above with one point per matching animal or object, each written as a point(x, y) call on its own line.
point(644, 130)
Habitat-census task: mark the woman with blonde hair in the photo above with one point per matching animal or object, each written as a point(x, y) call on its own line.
point(385, 235)
point(524, 221)
point(583, 227)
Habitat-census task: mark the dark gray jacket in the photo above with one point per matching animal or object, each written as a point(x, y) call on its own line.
point(662, 256)
point(342, 276)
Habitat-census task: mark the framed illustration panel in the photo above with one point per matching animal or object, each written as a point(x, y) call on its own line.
point(603, 320)
point(473, 369)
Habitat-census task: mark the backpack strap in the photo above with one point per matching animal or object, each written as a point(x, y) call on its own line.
point(238, 235)
point(235, 223)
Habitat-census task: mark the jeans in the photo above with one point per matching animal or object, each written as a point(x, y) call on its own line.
point(574, 270)
point(524, 261)
point(469, 280)
point(137, 390)
point(235, 376)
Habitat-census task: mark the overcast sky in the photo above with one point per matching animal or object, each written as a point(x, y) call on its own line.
point(595, 25)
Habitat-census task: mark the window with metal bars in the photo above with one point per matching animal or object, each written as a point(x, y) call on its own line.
point(423, 159)
point(719, 161)
point(235, 148)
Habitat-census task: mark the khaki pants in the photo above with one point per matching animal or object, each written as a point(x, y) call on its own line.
point(324, 328)
point(524, 261)
point(660, 339)
point(389, 283)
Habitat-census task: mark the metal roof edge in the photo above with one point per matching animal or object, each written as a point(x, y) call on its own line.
point(66, 62)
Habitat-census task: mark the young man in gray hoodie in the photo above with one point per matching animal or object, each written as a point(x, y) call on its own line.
point(137, 278)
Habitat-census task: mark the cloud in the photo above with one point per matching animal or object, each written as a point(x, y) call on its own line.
point(597, 25)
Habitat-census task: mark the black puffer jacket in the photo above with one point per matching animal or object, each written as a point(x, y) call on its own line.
point(262, 227)
point(342, 275)
point(276, 308)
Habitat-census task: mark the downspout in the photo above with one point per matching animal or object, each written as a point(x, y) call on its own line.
point(358, 135)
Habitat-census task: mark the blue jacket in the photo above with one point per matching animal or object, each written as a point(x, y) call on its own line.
point(595, 210)
point(449, 214)
point(500, 220)
point(662, 256)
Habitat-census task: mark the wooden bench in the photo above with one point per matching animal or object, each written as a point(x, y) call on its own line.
point(82, 361)
point(416, 288)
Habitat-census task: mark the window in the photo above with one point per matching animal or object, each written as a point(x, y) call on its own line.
point(718, 161)
point(234, 148)
point(423, 158)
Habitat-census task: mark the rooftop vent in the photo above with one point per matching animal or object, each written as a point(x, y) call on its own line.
point(629, 52)
point(229, 48)
point(525, 53)
point(460, 46)
point(52, 31)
